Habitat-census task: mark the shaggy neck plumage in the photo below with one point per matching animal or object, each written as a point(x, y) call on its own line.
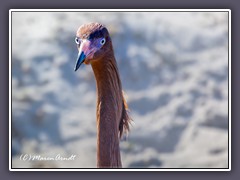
point(109, 111)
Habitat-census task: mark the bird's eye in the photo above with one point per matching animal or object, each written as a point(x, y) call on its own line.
point(77, 40)
point(103, 41)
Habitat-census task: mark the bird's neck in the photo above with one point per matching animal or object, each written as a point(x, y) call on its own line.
point(109, 110)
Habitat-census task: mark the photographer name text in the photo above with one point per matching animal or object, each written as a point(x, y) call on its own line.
point(58, 157)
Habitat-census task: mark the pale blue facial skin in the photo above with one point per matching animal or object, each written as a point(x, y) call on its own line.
point(87, 48)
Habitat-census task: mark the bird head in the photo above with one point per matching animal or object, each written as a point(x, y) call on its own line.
point(92, 41)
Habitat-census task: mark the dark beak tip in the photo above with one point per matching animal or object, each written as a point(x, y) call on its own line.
point(80, 60)
point(76, 68)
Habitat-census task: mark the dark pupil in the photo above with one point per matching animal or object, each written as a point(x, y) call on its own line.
point(102, 41)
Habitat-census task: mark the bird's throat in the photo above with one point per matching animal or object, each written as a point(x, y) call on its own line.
point(109, 110)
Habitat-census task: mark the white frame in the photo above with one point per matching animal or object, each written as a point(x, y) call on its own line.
point(118, 10)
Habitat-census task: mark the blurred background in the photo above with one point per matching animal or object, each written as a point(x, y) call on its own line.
point(174, 70)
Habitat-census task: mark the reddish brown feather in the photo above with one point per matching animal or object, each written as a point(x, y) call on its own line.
point(112, 110)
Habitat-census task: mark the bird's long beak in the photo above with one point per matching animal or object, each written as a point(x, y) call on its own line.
point(80, 59)
point(86, 51)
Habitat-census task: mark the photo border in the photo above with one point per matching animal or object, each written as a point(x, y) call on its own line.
point(120, 10)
